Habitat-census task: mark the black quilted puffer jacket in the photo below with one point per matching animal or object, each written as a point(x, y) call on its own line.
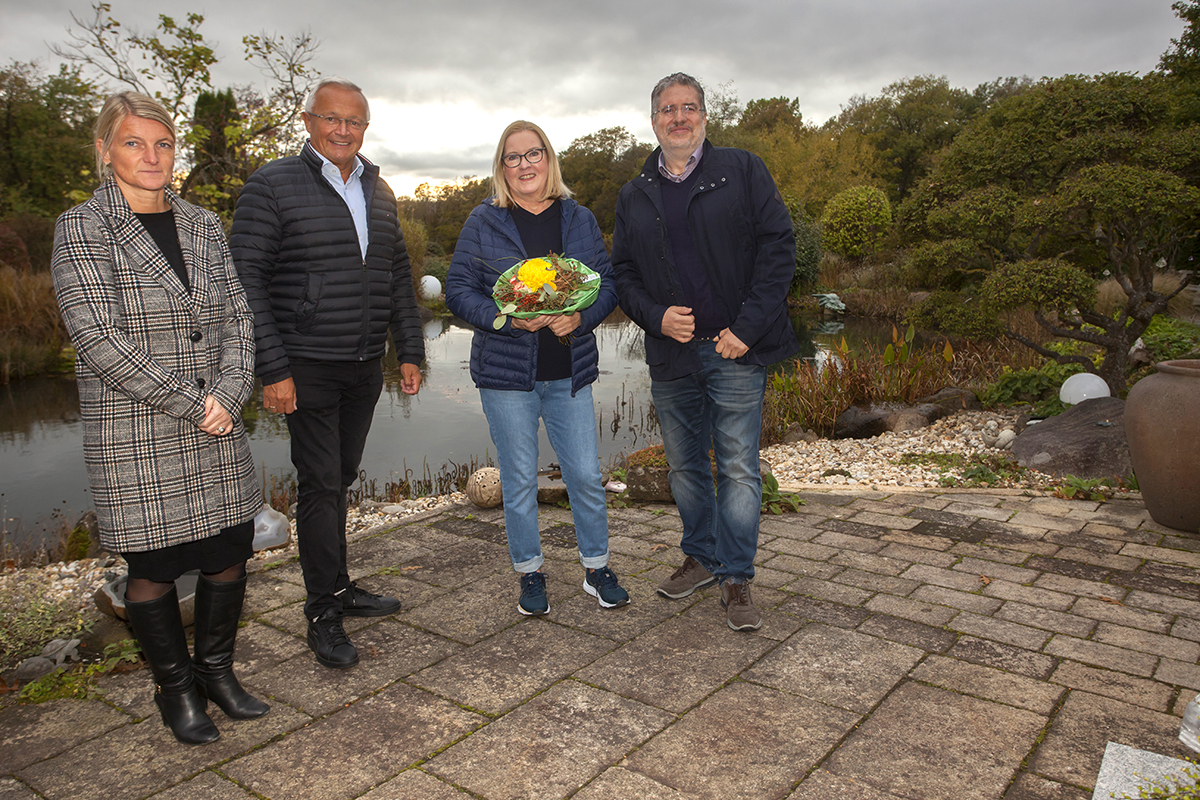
point(312, 293)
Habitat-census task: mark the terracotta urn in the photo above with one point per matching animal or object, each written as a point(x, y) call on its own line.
point(1162, 425)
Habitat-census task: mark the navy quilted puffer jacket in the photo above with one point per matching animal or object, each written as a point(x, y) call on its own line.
point(490, 244)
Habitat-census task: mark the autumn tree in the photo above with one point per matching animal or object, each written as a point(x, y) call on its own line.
point(596, 166)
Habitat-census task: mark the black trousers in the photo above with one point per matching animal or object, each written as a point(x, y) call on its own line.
point(335, 401)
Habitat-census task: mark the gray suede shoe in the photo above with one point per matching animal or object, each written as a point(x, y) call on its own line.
point(740, 613)
point(690, 576)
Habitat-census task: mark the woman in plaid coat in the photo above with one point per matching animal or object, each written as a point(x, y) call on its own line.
point(164, 361)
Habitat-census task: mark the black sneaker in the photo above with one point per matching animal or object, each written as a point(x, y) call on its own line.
point(602, 585)
point(327, 639)
point(534, 602)
point(358, 602)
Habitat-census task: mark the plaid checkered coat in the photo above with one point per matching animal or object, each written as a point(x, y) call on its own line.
point(147, 354)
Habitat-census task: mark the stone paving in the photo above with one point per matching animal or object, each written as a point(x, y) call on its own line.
point(927, 646)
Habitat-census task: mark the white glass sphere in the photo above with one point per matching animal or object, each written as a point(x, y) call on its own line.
point(431, 287)
point(1082, 386)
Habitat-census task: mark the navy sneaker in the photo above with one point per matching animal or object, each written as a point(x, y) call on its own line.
point(602, 585)
point(534, 602)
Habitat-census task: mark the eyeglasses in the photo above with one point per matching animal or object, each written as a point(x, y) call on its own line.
point(688, 109)
point(532, 156)
point(336, 122)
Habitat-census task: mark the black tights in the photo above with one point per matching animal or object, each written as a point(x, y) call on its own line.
point(139, 590)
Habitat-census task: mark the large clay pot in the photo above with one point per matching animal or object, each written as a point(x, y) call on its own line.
point(1162, 424)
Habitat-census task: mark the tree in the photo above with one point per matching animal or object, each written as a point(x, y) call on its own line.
point(46, 151)
point(173, 66)
point(1059, 186)
point(1183, 59)
point(766, 115)
point(443, 209)
point(855, 220)
point(596, 166)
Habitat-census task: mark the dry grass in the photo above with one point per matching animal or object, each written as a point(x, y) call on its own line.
point(1110, 297)
point(31, 330)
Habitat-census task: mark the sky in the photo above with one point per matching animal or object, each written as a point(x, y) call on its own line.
point(445, 78)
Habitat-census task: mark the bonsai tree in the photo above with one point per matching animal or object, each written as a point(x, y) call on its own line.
point(855, 220)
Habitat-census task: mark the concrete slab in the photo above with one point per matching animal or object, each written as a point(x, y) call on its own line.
point(1127, 770)
point(36, 732)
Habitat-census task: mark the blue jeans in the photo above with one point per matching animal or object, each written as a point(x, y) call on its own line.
point(719, 407)
point(571, 427)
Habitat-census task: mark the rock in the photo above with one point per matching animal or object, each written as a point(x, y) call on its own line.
point(915, 418)
point(103, 632)
point(990, 433)
point(952, 399)
point(795, 434)
point(33, 668)
point(859, 422)
point(1087, 441)
point(649, 483)
point(551, 489)
point(61, 650)
point(1004, 441)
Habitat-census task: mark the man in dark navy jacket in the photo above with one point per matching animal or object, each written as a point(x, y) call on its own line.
point(318, 248)
point(703, 254)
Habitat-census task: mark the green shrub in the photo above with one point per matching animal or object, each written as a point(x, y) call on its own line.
point(1169, 338)
point(948, 264)
point(855, 220)
point(77, 545)
point(808, 249)
point(953, 313)
point(437, 266)
point(1038, 385)
point(30, 616)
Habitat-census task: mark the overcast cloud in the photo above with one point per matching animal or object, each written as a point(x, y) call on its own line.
point(444, 79)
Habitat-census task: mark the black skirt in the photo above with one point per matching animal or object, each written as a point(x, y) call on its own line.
point(232, 545)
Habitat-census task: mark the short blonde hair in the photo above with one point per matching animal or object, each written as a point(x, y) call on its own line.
point(116, 108)
point(555, 186)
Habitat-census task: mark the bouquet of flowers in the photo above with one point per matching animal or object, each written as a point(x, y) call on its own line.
point(548, 285)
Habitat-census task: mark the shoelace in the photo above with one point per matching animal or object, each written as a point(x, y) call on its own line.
point(336, 633)
point(683, 568)
point(605, 577)
point(534, 584)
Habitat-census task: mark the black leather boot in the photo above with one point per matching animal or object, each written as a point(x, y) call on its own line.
point(159, 631)
point(218, 606)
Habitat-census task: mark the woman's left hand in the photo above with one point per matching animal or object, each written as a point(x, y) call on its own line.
point(564, 324)
point(217, 421)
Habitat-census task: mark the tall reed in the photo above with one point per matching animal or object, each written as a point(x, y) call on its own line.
point(31, 330)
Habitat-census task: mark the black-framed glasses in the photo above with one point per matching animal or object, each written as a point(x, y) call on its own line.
point(688, 109)
point(532, 156)
point(336, 122)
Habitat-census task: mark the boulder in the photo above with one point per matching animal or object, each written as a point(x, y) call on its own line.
point(864, 422)
point(795, 434)
point(551, 489)
point(952, 399)
point(1087, 441)
point(649, 483)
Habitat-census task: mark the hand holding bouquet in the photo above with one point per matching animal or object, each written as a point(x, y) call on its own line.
point(549, 285)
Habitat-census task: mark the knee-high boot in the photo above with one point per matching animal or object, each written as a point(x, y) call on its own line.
point(159, 630)
point(218, 606)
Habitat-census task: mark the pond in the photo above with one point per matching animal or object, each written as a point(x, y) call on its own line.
point(43, 483)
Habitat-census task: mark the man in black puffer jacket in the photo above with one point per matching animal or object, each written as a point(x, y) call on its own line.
point(318, 248)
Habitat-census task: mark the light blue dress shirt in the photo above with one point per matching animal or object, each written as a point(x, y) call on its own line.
point(350, 190)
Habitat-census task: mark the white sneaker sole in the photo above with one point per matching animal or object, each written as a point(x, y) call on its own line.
point(587, 587)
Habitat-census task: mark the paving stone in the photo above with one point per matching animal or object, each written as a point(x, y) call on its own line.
point(512, 666)
point(736, 726)
point(1178, 673)
point(645, 610)
point(696, 657)
point(145, 758)
point(1182, 557)
point(390, 731)
point(1145, 693)
point(1034, 787)
point(1118, 530)
point(870, 563)
point(975, 603)
point(988, 554)
point(387, 651)
point(1003, 657)
point(948, 578)
point(266, 594)
point(995, 571)
point(891, 750)
point(1102, 655)
point(1161, 579)
point(1023, 544)
point(943, 517)
point(957, 533)
point(999, 630)
point(414, 783)
point(979, 511)
point(822, 785)
point(36, 732)
point(874, 582)
point(568, 735)
point(919, 555)
point(1073, 746)
point(789, 526)
point(848, 542)
point(776, 625)
point(1185, 628)
point(988, 683)
point(782, 545)
point(841, 668)
point(205, 786)
point(460, 564)
point(925, 613)
point(1028, 595)
point(375, 553)
point(619, 782)
point(887, 521)
point(1086, 539)
point(910, 539)
point(1066, 585)
point(476, 611)
point(1056, 621)
point(769, 577)
point(1146, 642)
point(1163, 603)
point(895, 505)
point(825, 612)
point(895, 629)
point(854, 527)
point(830, 590)
point(11, 789)
point(1054, 523)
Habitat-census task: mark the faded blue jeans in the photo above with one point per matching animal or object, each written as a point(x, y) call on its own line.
point(719, 407)
point(571, 427)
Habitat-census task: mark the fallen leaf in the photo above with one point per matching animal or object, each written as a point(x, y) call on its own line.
point(658, 548)
point(985, 580)
point(4, 687)
point(1110, 600)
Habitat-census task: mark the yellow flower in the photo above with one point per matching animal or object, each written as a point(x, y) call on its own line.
point(536, 272)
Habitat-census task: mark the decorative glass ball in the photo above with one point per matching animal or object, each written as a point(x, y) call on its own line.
point(1082, 386)
point(483, 487)
point(430, 287)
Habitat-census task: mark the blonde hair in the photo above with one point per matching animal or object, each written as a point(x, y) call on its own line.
point(555, 186)
point(116, 108)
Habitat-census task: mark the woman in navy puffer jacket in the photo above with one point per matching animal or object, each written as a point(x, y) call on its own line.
point(523, 371)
